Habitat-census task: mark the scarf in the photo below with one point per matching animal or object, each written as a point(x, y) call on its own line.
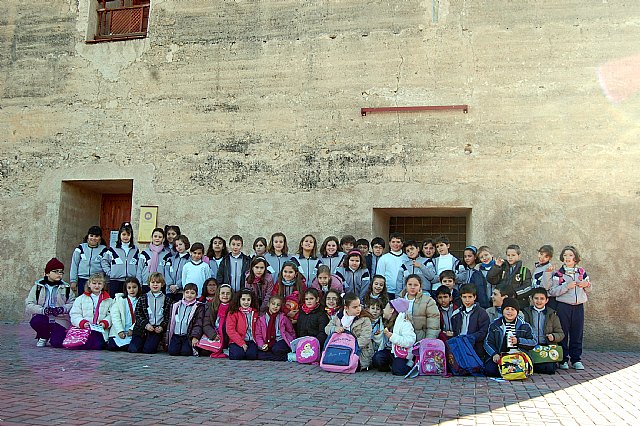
point(288, 283)
point(96, 313)
point(245, 310)
point(184, 302)
point(155, 256)
point(347, 321)
point(271, 329)
point(307, 310)
point(487, 266)
point(331, 311)
point(222, 317)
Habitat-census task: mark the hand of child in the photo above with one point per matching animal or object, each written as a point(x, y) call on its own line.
point(448, 333)
point(87, 325)
point(417, 264)
point(122, 335)
point(194, 341)
point(572, 285)
point(264, 347)
point(149, 327)
point(130, 333)
point(513, 340)
point(158, 329)
point(74, 287)
point(245, 347)
point(173, 288)
point(339, 329)
point(499, 261)
point(496, 358)
point(550, 337)
point(584, 284)
point(388, 333)
point(292, 314)
point(377, 332)
point(550, 268)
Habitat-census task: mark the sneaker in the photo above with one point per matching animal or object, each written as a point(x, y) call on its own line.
point(563, 366)
point(578, 365)
point(41, 343)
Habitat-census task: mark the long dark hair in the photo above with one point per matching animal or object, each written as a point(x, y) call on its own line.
point(234, 306)
point(210, 252)
point(95, 230)
point(125, 227)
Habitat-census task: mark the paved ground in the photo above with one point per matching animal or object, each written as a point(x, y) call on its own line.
point(51, 386)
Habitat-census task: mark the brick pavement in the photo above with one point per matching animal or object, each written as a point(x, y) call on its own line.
point(51, 386)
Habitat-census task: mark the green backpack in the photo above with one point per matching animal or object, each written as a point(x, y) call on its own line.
point(546, 353)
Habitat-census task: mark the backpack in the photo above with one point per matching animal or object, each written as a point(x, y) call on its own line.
point(430, 359)
point(341, 353)
point(542, 354)
point(305, 350)
point(462, 358)
point(515, 366)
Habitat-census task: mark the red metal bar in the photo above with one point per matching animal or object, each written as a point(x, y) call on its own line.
point(365, 111)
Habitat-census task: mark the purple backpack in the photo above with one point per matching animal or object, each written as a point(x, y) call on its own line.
point(430, 358)
point(341, 353)
point(305, 349)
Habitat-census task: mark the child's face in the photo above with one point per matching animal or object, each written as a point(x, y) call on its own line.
point(125, 237)
point(190, 295)
point(323, 279)
point(155, 286)
point(347, 247)
point(180, 247)
point(412, 251)
point(510, 313)
point(196, 255)
point(363, 249)
point(469, 258)
point(132, 289)
point(354, 262)
point(332, 248)
point(569, 258)
point(377, 286)
point(260, 248)
point(308, 244)
point(428, 250)
point(310, 300)
point(497, 298)
point(377, 250)
point(354, 308)
point(93, 240)
point(444, 300)
point(278, 244)
point(442, 248)
point(55, 275)
point(449, 282)
point(413, 286)
point(543, 257)
point(245, 300)
point(274, 306)
point(395, 244)
point(331, 300)
point(258, 269)
point(512, 256)
point(171, 235)
point(211, 288)
point(225, 294)
point(539, 300)
point(157, 238)
point(375, 311)
point(96, 286)
point(485, 257)
point(468, 299)
point(387, 311)
point(236, 247)
point(288, 273)
point(217, 245)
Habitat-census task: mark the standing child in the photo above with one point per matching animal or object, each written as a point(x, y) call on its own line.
point(259, 247)
point(428, 249)
point(235, 265)
point(174, 266)
point(471, 320)
point(398, 333)
point(329, 254)
point(347, 243)
point(390, 263)
point(209, 291)
point(49, 303)
point(153, 312)
point(196, 271)
point(543, 272)
point(171, 232)
point(241, 326)
point(516, 275)
point(121, 261)
point(571, 287)
point(377, 291)
point(123, 315)
point(377, 250)
point(447, 309)
point(91, 311)
point(362, 245)
point(216, 252)
point(260, 282)
point(312, 318)
point(490, 271)
point(153, 258)
point(325, 281)
point(274, 332)
point(445, 260)
point(307, 259)
point(354, 274)
point(545, 324)
point(87, 259)
point(215, 317)
point(185, 326)
point(277, 253)
point(416, 265)
point(468, 273)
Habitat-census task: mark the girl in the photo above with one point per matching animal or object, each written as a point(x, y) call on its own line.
point(571, 286)
point(123, 315)
point(489, 270)
point(289, 280)
point(173, 267)
point(209, 291)
point(86, 259)
point(121, 261)
point(171, 232)
point(216, 252)
point(358, 322)
point(241, 326)
point(468, 273)
point(153, 258)
point(325, 281)
point(91, 311)
point(312, 319)
point(153, 312)
point(215, 318)
point(332, 303)
point(329, 254)
point(377, 291)
point(260, 247)
point(307, 259)
point(428, 248)
point(398, 332)
point(185, 326)
point(277, 253)
point(260, 281)
point(423, 310)
point(355, 274)
point(274, 332)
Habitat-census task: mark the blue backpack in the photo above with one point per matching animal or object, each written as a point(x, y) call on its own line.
point(462, 359)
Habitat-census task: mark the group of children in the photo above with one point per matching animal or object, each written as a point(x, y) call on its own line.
point(176, 296)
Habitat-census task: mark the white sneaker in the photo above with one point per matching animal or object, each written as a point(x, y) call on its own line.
point(563, 366)
point(578, 365)
point(41, 343)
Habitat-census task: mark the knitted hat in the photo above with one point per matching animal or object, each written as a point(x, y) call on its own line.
point(510, 302)
point(400, 305)
point(53, 264)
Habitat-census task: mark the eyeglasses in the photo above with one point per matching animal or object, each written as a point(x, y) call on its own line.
point(58, 271)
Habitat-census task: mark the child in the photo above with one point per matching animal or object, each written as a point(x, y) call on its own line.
point(274, 332)
point(500, 293)
point(362, 245)
point(306, 259)
point(377, 323)
point(260, 282)
point(289, 281)
point(123, 315)
point(121, 261)
point(447, 308)
point(354, 274)
point(414, 264)
point(312, 318)
point(87, 258)
point(215, 317)
point(377, 250)
point(153, 258)
point(377, 291)
point(49, 303)
point(171, 232)
point(185, 326)
point(398, 332)
point(428, 249)
point(357, 321)
point(571, 287)
point(513, 273)
point(209, 291)
point(259, 247)
point(448, 279)
point(196, 271)
point(332, 303)
point(445, 260)
point(216, 252)
point(235, 265)
point(471, 320)
point(423, 310)
point(241, 326)
point(347, 243)
point(543, 268)
point(506, 333)
point(545, 324)
point(174, 266)
point(390, 263)
point(277, 253)
point(329, 254)
point(467, 273)
point(91, 311)
point(325, 281)
point(488, 268)
point(153, 312)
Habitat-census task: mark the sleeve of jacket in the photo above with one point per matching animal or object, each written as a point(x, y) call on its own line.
point(116, 316)
point(556, 328)
point(400, 281)
point(142, 271)
point(142, 316)
point(166, 270)
point(208, 326)
point(166, 313)
point(106, 262)
point(526, 339)
point(493, 275)
point(220, 275)
point(231, 326)
point(76, 312)
point(75, 264)
point(331, 325)
point(406, 336)
point(366, 283)
point(477, 279)
point(267, 294)
point(289, 332)
point(558, 289)
point(198, 322)
point(433, 320)
point(483, 326)
point(364, 337)
point(261, 332)
point(492, 347)
point(31, 304)
point(69, 302)
point(427, 271)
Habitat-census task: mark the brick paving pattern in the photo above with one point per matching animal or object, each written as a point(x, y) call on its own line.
point(45, 386)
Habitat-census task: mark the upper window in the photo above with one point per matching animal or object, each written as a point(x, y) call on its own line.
point(121, 20)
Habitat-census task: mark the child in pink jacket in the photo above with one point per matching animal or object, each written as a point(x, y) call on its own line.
point(274, 332)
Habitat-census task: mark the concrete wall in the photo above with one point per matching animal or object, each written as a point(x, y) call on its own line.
point(245, 117)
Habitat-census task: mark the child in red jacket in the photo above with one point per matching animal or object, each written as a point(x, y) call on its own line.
point(241, 326)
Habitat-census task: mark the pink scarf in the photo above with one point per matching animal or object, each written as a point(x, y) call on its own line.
point(245, 310)
point(307, 310)
point(155, 256)
point(222, 315)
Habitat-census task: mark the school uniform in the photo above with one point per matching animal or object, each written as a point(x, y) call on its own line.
point(357, 281)
point(446, 315)
point(407, 268)
point(232, 270)
point(85, 261)
point(154, 309)
point(372, 263)
point(388, 266)
point(276, 262)
point(144, 264)
point(123, 317)
point(333, 262)
point(241, 329)
point(48, 295)
point(118, 263)
point(447, 262)
point(173, 266)
point(280, 343)
point(491, 274)
point(308, 267)
point(186, 322)
point(91, 308)
point(214, 264)
point(196, 273)
point(472, 322)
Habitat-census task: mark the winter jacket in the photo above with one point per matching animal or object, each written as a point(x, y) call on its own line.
point(388, 266)
point(540, 277)
point(117, 265)
point(276, 263)
point(196, 320)
point(497, 330)
point(117, 314)
point(82, 312)
point(491, 274)
point(284, 325)
point(335, 283)
point(551, 325)
point(142, 313)
point(333, 262)
point(361, 329)
point(519, 277)
point(173, 270)
point(403, 333)
point(372, 264)
point(477, 328)
point(313, 324)
point(86, 261)
point(308, 267)
point(240, 268)
point(474, 277)
point(263, 291)
point(424, 272)
point(38, 299)
point(236, 326)
point(425, 316)
point(559, 287)
point(145, 258)
point(357, 281)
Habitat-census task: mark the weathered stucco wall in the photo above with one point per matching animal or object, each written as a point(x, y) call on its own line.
point(244, 117)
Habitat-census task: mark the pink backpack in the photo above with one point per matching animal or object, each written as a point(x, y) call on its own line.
point(76, 337)
point(306, 350)
point(430, 358)
point(341, 353)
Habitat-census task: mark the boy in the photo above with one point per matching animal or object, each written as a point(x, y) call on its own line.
point(196, 271)
point(152, 312)
point(447, 308)
point(543, 270)
point(185, 327)
point(445, 260)
point(500, 293)
point(363, 246)
point(470, 319)
point(347, 243)
point(414, 264)
point(545, 324)
point(389, 264)
point(49, 303)
point(498, 340)
point(234, 266)
point(488, 268)
point(377, 248)
point(516, 275)
point(448, 279)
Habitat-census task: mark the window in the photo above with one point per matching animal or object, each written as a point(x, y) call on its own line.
point(121, 20)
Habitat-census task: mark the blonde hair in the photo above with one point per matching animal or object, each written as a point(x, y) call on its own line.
point(98, 276)
point(157, 277)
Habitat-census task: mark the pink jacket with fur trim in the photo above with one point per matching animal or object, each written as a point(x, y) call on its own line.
point(284, 324)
